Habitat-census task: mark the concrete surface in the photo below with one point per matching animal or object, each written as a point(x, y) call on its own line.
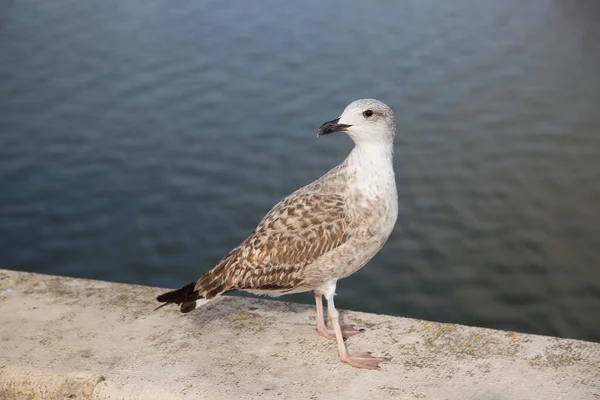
point(64, 338)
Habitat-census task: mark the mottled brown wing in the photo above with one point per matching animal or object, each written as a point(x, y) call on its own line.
point(297, 231)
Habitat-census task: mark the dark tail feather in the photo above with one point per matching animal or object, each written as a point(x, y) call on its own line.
point(185, 297)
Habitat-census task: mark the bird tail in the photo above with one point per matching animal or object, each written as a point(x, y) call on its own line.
point(186, 298)
point(212, 284)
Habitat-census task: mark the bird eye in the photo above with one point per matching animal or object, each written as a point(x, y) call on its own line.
point(368, 113)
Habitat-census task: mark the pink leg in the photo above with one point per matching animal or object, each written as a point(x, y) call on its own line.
point(360, 360)
point(322, 330)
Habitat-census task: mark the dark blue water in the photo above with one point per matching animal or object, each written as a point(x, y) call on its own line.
point(141, 140)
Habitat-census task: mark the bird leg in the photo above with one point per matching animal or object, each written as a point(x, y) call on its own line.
point(322, 330)
point(360, 360)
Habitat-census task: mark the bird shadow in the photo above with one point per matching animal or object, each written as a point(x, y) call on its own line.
point(242, 309)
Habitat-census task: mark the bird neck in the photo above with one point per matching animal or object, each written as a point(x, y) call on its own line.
point(372, 155)
point(372, 166)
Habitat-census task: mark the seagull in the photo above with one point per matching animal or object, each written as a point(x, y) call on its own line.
point(322, 232)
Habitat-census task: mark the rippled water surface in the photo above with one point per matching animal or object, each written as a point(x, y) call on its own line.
point(141, 140)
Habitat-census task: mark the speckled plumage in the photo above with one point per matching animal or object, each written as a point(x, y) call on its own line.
point(322, 232)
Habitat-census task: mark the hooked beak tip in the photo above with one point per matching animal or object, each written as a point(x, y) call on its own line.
point(332, 126)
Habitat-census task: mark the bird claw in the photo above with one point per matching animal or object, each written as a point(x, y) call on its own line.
point(363, 360)
point(347, 331)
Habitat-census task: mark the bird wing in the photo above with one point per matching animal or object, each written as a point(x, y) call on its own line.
point(297, 231)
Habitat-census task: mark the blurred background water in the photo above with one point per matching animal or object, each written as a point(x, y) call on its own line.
point(141, 140)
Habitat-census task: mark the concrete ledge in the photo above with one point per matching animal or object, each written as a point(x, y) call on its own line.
point(64, 338)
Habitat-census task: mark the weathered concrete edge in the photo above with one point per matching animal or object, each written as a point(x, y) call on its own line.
point(31, 383)
point(35, 381)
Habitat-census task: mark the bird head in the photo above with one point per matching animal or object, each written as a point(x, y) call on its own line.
point(365, 121)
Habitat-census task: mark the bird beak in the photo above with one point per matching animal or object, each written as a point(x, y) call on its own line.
point(331, 127)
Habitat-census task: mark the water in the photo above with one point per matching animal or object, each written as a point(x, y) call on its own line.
point(141, 140)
